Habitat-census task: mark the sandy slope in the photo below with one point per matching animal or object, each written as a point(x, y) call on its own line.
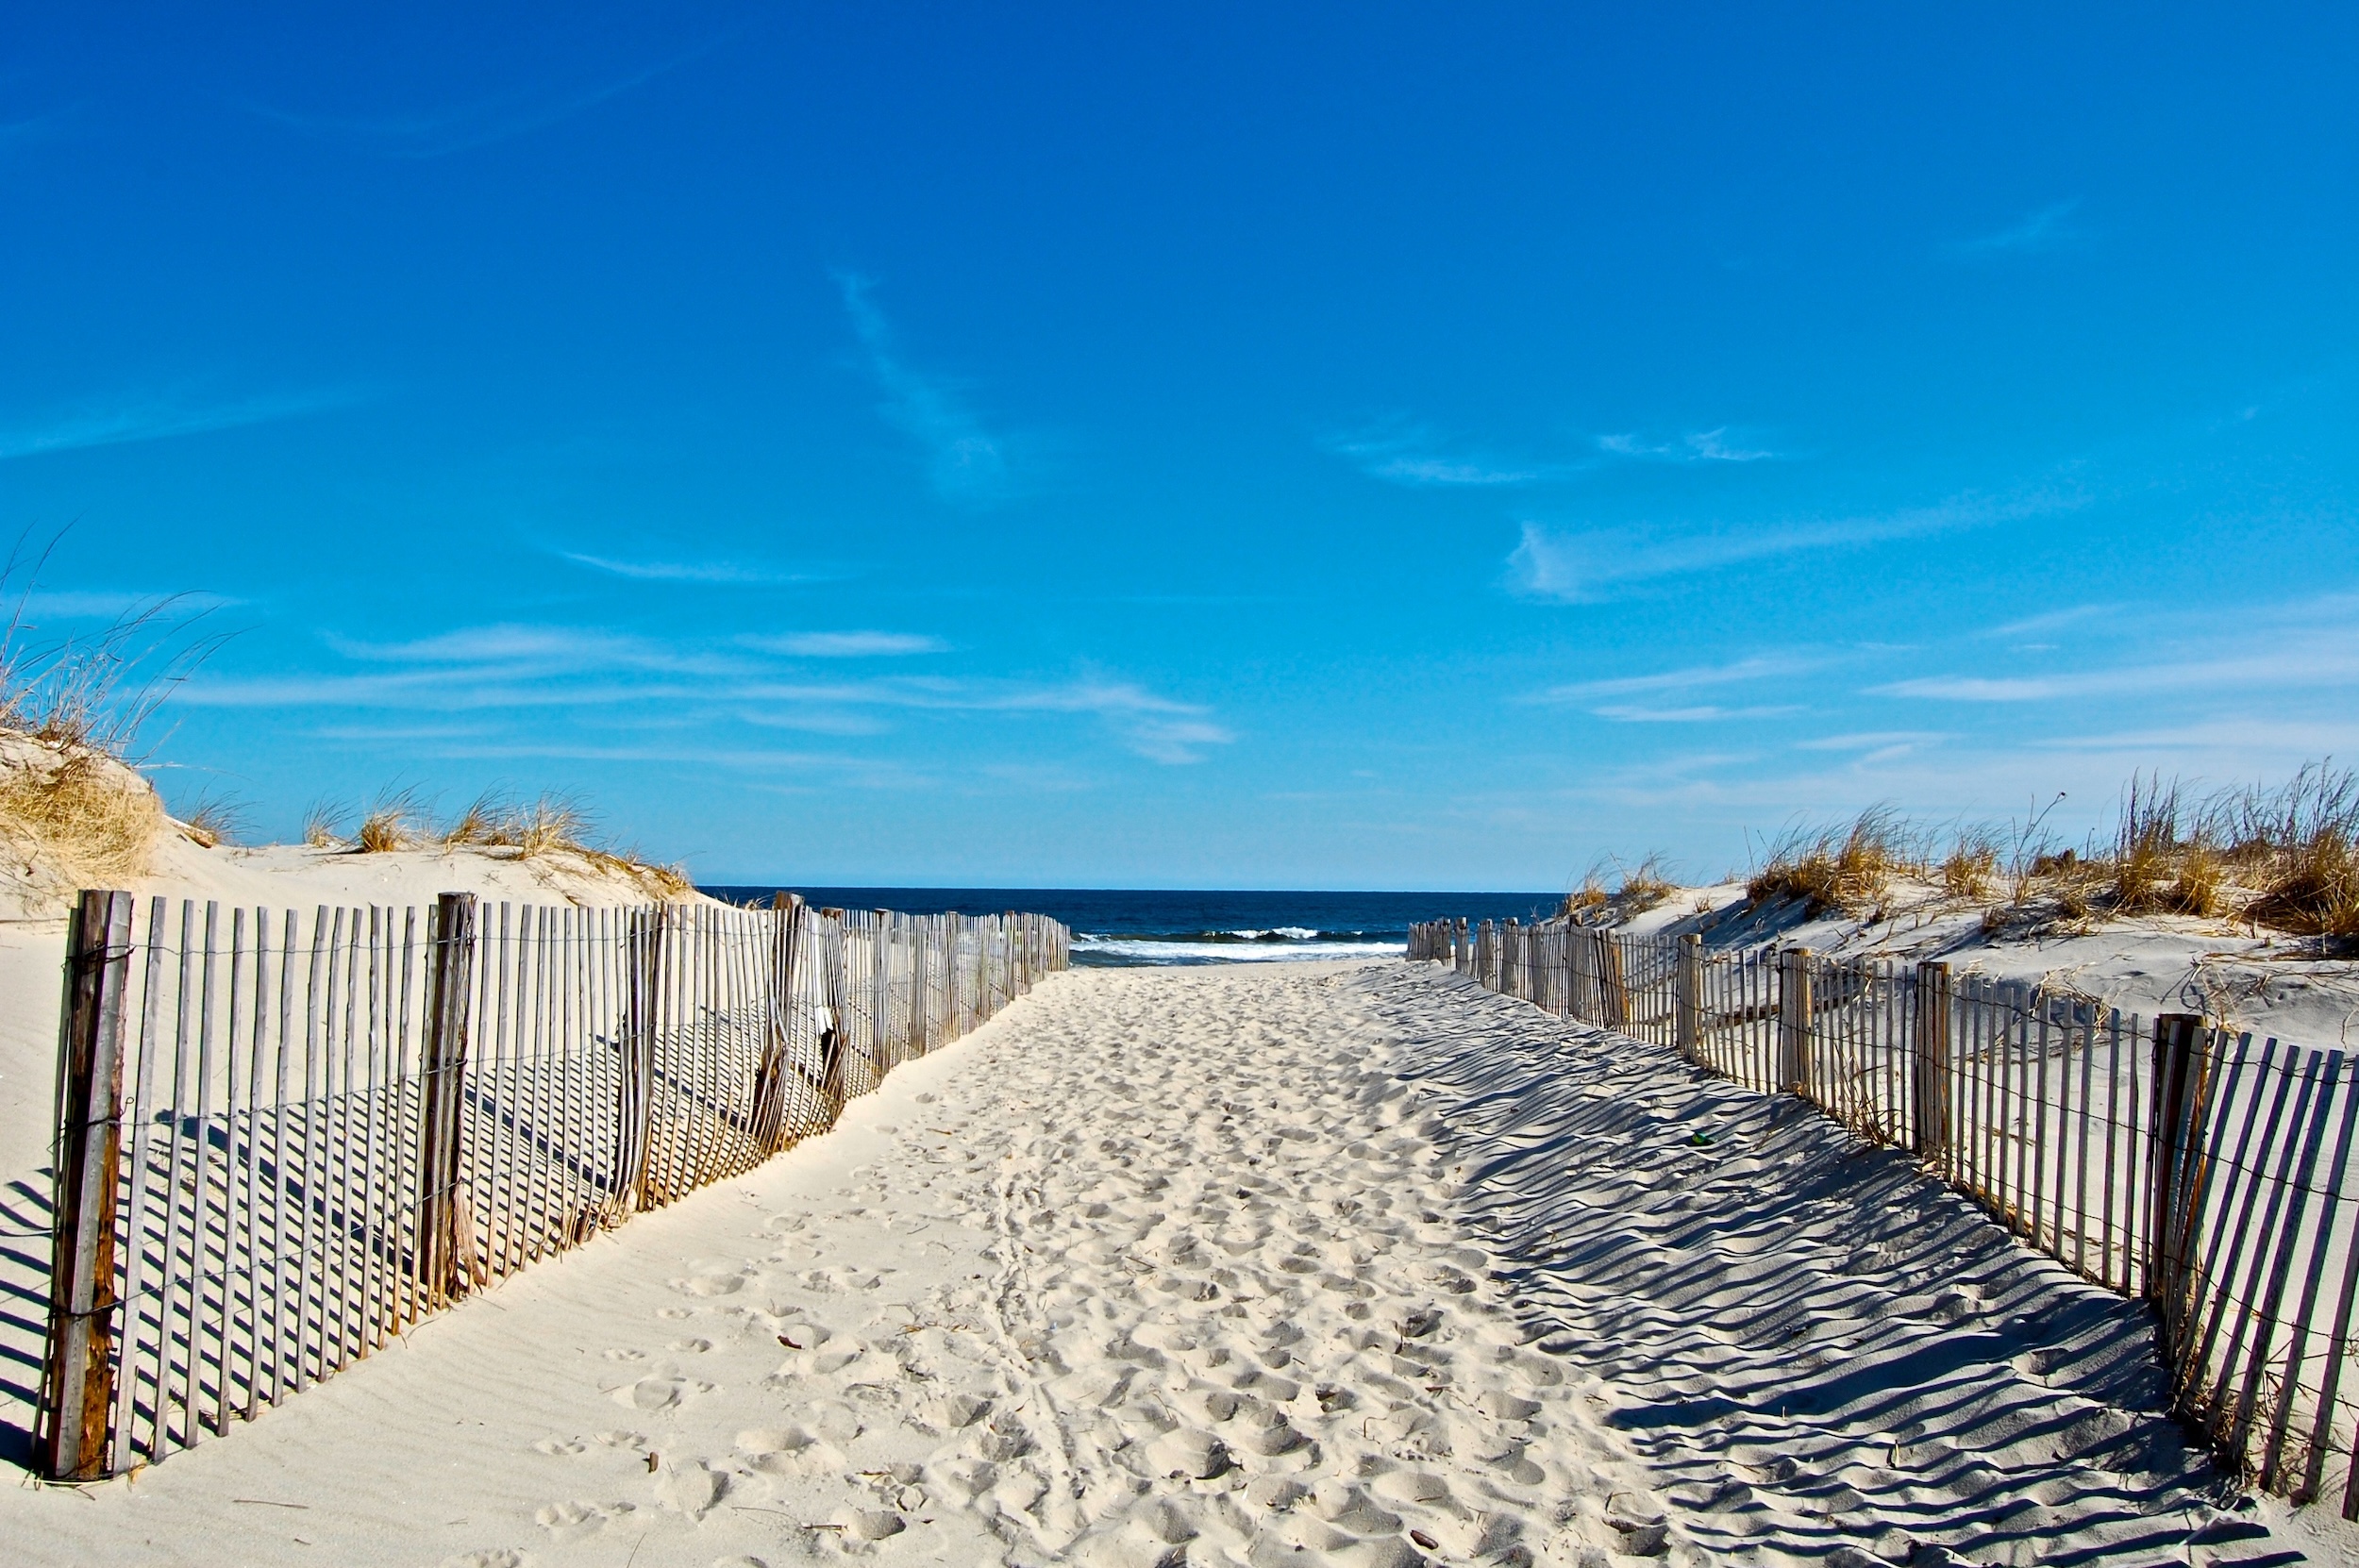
point(1179, 1266)
point(2271, 983)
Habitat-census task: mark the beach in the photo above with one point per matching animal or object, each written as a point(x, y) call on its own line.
point(1259, 1264)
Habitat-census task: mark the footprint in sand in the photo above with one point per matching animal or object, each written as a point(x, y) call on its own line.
point(498, 1557)
point(661, 1391)
point(952, 1411)
point(561, 1446)
point(790, 1451)
point(692, 1490)
point(568, 1521)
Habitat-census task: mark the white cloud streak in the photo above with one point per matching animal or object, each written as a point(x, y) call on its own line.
point(849, 645)
point(1410, 456)
point(718, 573)
point(526, 667)
point(1760, 667)
point(1715, 445)
point(2054, 620)
point(1706, 713)
point(965, 462)
point(462, 128)
point(2328, 661)
point(158, 418)
point(107, 604)
point(2047, 229)
point(1589, 566)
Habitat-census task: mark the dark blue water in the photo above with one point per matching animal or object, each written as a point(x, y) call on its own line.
point(1157, 926)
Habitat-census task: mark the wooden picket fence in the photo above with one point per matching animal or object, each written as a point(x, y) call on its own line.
point(2170, 1160)
point(283, 1139)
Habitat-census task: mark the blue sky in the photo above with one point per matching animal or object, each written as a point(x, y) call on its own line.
point(1348, 446)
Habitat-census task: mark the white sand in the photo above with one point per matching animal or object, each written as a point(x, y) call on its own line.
point(1169, 1266)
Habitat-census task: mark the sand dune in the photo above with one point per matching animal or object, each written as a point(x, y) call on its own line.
point(1323, 1263)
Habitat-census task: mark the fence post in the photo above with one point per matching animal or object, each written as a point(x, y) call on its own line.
point(643, 962)
point(769, 1118)
point(1794, 1011)
point(951, 929)
point(79, 1371)
point(1928, 1078)
point(450, 968)
point(2171, 1141)
point(1687, 1026)
point(1613, 981)
point(834, 1039)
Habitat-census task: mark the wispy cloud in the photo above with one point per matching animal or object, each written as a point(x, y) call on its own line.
point(158, 418)
point(480, 669)
point(481, 122)
point(815, 720)
point(2054, 620)
point(1400, 453)
point(1410, 454)
point(849, 645)
point(1872, 741)
point(1693, 677)
point(965, 460)
point(2317, 664)
point(536, 650)
point(1717, 445)
point(107, 604)
point(2309, 644)
point(1705, 714)
point(2047, 229)
point(1586, 566)
point(715, 572)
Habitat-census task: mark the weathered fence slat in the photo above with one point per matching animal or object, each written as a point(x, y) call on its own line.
point(79, 1373)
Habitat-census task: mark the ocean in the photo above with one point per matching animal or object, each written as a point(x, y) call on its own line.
point(1125, 928)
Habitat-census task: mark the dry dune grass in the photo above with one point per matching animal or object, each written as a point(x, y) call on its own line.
point(1846, 869)
point(549, 825)
point(71, 807)
point(2284, 857)
point(1970, 869)
point(1638, 887)
point(74, 814)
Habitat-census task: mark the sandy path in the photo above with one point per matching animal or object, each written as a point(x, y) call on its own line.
point(1144, 1272)
point(1168, 1267)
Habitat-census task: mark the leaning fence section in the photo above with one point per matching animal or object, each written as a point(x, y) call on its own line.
point(2172, 1159)
point(285, 1137)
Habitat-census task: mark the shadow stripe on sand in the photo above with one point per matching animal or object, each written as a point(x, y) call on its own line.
point(1826, 1357)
